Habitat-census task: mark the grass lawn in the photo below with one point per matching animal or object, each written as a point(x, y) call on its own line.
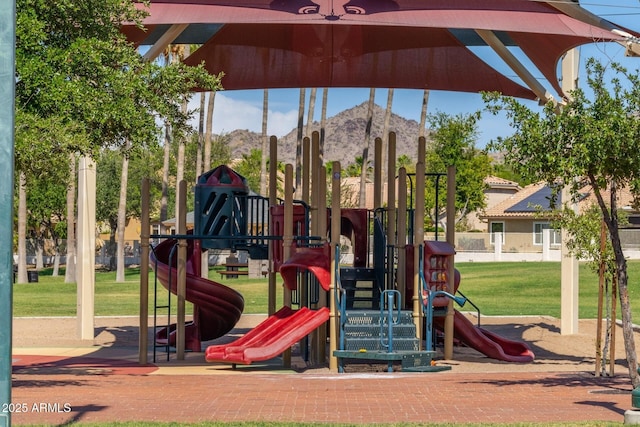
point(50, 296)
point(533, 288)
point(507, 288)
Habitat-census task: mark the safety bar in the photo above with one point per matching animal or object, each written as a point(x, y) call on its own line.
point(390, 322)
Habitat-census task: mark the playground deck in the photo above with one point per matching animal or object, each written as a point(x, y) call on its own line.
point(101, 381)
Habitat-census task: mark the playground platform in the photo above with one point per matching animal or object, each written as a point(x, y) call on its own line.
point(58, 380)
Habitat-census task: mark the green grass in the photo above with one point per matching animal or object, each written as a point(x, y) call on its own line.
point(50, 296)
point(533, 288)
point(507, 288)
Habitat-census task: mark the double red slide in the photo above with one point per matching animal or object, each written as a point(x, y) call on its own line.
point(287, 326)
point(270, 338)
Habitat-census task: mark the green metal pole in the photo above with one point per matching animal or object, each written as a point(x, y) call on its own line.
point(7, 93)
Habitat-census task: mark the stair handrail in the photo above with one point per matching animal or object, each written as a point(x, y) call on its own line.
point(472, 304)
point(389, 315)
point(340, 296)
point(431, 295)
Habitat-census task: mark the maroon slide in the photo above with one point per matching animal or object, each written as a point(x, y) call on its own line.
point(315, 260)
point(217, 308)
point(487, 343)
point(270, 338)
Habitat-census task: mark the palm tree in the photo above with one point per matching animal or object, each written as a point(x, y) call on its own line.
point(122, 215)
point(203, 98)
point(423, 113)
point(299, 143)
point(365, 152)
point(265, 144)
point(182, 53)
point(206, 161)
point(385, 136)
point(312, 104)
point(164, 199)
point(323, 121)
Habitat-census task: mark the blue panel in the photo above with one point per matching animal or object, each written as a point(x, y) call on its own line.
point(541, 199)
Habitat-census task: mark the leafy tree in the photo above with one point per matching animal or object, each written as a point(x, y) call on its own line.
point(219, 154)
point(76, 71)
point(592, 139)
point(405, 161)
point(46, 199)
point(249, 167)
point(355, 169)
point(142, 164)
point(453, 144)
point(40, 144)
point(505, 171)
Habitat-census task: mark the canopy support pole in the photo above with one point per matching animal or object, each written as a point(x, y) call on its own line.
point(490, 38)
point(165, 40)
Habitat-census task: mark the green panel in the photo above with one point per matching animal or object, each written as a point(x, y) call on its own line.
point(7, 92)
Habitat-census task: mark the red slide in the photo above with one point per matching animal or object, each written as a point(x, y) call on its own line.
point(217, 308)
point(487, 343)
point(271, 337)
point(315, 260)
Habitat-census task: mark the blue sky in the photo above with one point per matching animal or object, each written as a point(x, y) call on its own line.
point(243, 109)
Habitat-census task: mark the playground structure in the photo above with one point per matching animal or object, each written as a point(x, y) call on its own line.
point(385, 305)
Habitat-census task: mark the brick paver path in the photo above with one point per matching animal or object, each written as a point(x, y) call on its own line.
point(47, 392)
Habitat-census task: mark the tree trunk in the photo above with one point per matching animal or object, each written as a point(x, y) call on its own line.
point(423, 115)
point(180, 166)
point(298, 179)
point(56, 260)
point(164, 200)
point(200, 149)
point(323, 121)
point(312, 105)
point(385, 140)
point(623, 290)
point(362, 201)
point(206, 161)
point(122, 220)
point(265, 144)
point(39, 247)
point(70, 272)
point(22, 229)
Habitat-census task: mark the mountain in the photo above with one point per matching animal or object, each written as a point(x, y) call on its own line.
point(344, 138)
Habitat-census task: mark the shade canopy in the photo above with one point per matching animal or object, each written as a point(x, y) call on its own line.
point(413, 44)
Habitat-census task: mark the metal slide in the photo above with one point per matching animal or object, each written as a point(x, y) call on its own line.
point(217, 308)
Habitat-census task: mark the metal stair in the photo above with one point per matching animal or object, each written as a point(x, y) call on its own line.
point(365, 336)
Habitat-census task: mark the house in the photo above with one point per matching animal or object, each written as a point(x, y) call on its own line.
point(520, 219)
point(497, 190)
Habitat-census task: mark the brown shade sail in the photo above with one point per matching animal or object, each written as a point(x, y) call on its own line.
point(413, 44)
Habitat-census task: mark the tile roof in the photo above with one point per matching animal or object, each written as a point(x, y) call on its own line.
point(525, 203)
point(497, 182)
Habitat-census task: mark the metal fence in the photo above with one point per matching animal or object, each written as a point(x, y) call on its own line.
point(470, 247)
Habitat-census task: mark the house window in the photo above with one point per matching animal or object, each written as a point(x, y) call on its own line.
point(496, 228)
point(554, 234)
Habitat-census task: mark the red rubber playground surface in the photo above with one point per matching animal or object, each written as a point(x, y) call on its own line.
point(57, 382)
point(59, 391)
